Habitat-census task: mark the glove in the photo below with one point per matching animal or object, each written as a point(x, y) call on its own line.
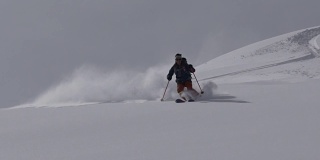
point(192, 70)
point(169, 78)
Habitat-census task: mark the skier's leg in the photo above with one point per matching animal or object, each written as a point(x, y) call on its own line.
point(193, 93)
point(180, 90)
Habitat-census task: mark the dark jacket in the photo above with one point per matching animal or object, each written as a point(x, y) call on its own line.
point(182, 72)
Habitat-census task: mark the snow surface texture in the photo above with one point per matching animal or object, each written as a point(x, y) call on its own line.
point(251, 111)
point(290, 57)
point(317, 43)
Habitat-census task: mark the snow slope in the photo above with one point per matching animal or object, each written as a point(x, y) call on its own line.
point(317, 42)
point(265, 107)
point(289, 57)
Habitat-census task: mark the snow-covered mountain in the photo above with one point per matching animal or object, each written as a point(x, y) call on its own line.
point(260, 102)
point(289, 57)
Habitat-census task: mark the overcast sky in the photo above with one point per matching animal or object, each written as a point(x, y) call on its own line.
point(44, 40)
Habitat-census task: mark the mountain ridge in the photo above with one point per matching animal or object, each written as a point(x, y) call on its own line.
point(271, 53)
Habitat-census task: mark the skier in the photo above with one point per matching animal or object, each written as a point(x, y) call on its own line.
point(183, 71)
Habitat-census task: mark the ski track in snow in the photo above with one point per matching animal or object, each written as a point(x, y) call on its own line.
point(308, 47)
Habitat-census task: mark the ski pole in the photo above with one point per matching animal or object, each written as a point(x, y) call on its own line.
point(198, 83)
point(165, 91)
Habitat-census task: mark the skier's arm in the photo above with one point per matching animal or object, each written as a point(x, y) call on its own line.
point(170, 74)
point(191, 69)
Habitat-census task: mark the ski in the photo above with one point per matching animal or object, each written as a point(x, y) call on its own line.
point(180, 101)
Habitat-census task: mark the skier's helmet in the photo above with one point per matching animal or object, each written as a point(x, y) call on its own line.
point(178, 56)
